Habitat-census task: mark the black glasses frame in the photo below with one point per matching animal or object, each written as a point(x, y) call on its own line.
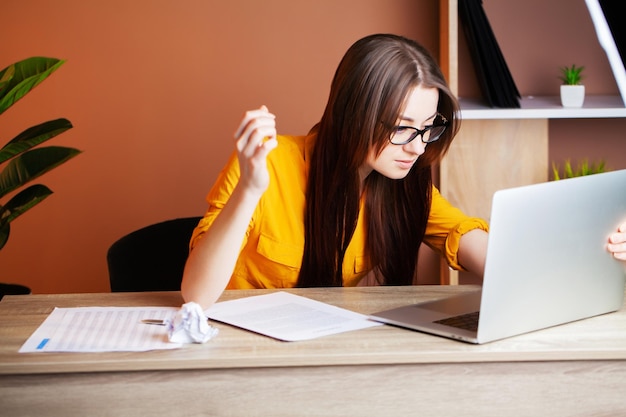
point(442, 124)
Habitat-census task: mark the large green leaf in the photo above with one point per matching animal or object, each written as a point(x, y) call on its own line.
point(33, 136)
point(18, 79)
point(31, 164)
point(22, 202)
point(5, 79)
point(18, 205)
point(4, 234)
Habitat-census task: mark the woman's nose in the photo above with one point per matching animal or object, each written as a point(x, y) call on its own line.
point(416, 146)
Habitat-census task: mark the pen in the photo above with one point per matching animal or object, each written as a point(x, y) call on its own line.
point(154, 321)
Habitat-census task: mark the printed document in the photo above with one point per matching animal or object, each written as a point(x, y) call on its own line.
point(102, 329)
point(287, 316)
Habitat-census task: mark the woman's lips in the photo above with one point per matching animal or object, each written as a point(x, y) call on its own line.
point(405, 163)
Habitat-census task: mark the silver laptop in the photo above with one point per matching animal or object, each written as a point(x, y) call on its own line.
point(546, 265)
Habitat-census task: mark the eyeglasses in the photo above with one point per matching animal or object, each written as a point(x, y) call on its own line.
point(405, 134)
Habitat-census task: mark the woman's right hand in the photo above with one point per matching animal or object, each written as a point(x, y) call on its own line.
point(256, 137)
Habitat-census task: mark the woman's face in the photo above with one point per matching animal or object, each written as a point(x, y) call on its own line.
point(395, 161)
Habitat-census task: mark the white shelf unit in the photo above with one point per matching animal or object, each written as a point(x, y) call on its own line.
point(499, 148)
point(546, 107)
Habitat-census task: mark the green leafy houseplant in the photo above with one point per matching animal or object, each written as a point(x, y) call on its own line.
point(21, 160)
point(571, 75)
point(582, 168)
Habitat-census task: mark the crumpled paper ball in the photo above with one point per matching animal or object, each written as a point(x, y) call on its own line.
point(190, 325)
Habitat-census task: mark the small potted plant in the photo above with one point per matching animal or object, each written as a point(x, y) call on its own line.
point(572, 91)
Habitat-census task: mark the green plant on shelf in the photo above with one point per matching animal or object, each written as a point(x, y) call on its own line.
point(571, 75)
point(23, 161)
point(582, 168)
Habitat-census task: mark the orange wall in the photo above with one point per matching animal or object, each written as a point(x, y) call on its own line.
point(155, 89)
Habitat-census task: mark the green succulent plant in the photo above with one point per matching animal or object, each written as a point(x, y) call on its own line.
point(571, 75)
point(583, 168)
point(21, 160)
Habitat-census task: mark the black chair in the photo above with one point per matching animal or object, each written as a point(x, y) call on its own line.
point(13, 289)
point(151, 258)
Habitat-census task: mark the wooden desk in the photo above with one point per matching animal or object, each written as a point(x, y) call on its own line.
point(577, 369)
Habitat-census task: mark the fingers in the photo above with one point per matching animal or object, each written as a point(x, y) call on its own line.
point(256, 137)
point(618, 251)
point(255, 127)
point(250, 115)
point(620, 255)
point(619, 236)
point(617, 243)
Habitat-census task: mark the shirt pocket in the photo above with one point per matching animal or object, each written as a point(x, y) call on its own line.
point(354, 268)
point(281, 260)
point(360, 264)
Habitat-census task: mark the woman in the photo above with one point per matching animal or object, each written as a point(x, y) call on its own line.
point(353, 198)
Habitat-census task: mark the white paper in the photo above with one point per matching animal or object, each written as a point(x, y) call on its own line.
point(190, 325)
point(288, 317)
point(101, 329)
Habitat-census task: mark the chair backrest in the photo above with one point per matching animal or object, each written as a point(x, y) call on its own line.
point(151, 258)
point(13, 289)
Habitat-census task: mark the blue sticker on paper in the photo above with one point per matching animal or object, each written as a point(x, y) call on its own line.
point(43, 343)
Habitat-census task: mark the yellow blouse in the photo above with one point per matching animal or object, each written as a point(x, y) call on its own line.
point(272, 250)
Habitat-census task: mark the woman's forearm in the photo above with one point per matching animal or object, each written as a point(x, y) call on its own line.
point(473, 251)
point(212, 260)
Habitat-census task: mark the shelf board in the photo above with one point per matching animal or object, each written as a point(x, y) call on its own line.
point(546, 107)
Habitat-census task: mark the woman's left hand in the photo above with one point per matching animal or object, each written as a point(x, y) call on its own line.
point(617, 243)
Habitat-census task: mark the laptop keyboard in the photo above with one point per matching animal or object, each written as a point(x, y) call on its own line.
point(467, 321)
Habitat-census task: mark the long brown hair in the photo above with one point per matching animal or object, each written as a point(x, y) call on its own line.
point(367, 95)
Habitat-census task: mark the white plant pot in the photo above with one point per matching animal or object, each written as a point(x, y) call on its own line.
point(572, 95)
